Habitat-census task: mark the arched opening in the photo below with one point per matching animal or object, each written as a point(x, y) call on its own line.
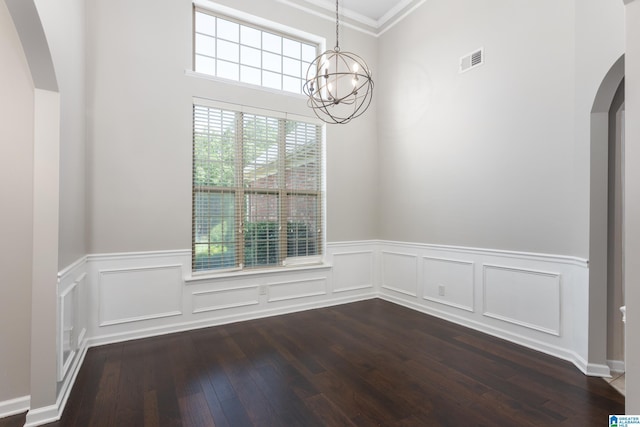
point(615, 234)
point(43, 390)
point(603, 242)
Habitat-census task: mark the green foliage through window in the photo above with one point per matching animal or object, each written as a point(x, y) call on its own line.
point(256, 189)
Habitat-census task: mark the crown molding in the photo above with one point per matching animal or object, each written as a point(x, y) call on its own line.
point(326, 9)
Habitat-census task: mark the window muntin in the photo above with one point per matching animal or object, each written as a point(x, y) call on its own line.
point(239, 52)
point(257, 198)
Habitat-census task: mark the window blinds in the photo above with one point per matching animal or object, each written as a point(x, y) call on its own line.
point(257, 189)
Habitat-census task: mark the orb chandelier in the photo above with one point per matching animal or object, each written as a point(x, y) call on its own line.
point(338, 84)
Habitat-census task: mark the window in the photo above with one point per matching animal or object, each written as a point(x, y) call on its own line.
point(257, 182)
point(235, 51)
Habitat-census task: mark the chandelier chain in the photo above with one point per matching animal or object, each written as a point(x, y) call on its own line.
point(337, 28)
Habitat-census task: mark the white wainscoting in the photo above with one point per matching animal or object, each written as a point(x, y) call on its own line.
point(536, 300)
point(144, 294)
point(71, 339)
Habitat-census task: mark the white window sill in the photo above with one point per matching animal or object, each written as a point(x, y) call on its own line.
point(235, 274)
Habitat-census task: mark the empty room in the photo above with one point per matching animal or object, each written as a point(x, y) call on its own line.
point(319, 213)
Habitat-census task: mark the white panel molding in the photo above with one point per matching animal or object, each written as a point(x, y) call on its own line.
point(470, 284)
point(63, 365)
point(523, 256)
point(414, 279)
point(550, 311)
point(296, 289)
point(173, 308)
point(14, 406)
point(74, 289)
point(139, 333)
point(353, 272)
point(225, 294)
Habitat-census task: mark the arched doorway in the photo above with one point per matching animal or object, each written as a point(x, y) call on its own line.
point(604, 245)
point(615, 259)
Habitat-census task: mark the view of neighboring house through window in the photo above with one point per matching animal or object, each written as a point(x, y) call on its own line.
point(257, 183)
point(235, 51)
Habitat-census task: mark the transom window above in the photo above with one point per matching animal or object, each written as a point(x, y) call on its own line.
point(243, 53)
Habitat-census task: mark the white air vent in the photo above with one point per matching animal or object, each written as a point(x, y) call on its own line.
point(472, 60)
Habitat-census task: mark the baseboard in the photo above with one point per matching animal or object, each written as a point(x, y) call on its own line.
point(14, 406)
point(207, 323)
point(616, 365)
point(45, 415)
point(597, 370)
point(48, 414)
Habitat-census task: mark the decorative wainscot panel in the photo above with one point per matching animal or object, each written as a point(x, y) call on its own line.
point(448, 281)
point(225, 298)
point(400, 273)
point(296, 289)
point(353, 271)
point(71, 319)
point(141, 293)
point(523, 297)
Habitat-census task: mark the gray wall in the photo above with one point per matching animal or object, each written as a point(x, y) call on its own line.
point(632, 206)
point(496, 157)
point(16, 193)
point(64, 25)
point(139, 153)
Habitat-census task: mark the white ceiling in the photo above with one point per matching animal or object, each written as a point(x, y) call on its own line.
point(373, 9)
point(373, 13)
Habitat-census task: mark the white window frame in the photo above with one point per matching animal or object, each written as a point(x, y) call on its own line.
point(260, 24)
point(287, 262)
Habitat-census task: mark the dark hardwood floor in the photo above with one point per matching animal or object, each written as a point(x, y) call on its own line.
point(369, 363)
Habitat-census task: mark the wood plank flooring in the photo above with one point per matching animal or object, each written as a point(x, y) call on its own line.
point(369, 363)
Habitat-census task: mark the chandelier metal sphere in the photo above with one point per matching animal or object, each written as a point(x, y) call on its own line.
point(338, 84)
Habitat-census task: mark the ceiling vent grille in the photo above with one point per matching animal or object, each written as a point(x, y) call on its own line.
point(472, 60)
